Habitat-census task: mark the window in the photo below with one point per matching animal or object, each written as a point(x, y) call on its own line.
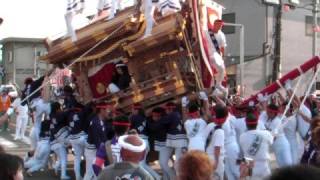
point(272, 2)
point(229, 18)
point(38, 53)
point(317, 85)
point(10, 58)
point(309, 26)
point(294, 2)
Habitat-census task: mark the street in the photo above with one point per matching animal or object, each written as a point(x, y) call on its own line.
point(20, 147)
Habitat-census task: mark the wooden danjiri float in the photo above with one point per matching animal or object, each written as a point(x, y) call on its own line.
point(163, 66)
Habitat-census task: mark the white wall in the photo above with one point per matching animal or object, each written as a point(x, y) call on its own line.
point(296, 47)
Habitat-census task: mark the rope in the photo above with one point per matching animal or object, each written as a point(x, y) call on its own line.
point(288, 105)
point(291, 98)
point(302, 102)
point(76, 60)
point(114, 46)
point(309, 88)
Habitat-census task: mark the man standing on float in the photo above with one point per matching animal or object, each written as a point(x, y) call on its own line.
point(216, 41)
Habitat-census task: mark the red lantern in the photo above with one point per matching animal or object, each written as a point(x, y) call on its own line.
point(316, 28)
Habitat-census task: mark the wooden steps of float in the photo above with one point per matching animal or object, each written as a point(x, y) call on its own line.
point(167, 28)
point(150, 92)
point(64, 49)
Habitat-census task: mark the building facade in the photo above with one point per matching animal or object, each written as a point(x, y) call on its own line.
point(259, 21)
point(20, 59)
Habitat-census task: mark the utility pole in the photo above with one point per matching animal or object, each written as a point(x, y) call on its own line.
point(315, 12)
point(277, 48)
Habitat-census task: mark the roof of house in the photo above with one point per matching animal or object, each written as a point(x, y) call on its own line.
point(21, 39)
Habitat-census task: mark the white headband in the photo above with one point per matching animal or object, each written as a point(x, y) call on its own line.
point(120, 65)
point(131, 147)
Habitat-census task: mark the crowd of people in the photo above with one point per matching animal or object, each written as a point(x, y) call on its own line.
point(204, 136)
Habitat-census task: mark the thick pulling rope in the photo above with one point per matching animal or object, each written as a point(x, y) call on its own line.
point(309, 88)
point(281, 126)
point(291, 98)
point(76, 60)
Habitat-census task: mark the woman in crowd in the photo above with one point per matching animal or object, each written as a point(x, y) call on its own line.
point(11, 167)
point(195, 165)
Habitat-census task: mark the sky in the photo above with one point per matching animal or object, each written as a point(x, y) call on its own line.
point(37, 18)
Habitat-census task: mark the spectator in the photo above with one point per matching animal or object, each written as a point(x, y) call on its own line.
point(132, 152)
point(299, 172)
point(11, 167)
point(311, 155)
point(5, 103)
point(195, 165)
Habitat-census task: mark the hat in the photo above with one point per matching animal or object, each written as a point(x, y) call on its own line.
point(220, 113)
point(121, 121)
point(120, 64)
point(124, 143)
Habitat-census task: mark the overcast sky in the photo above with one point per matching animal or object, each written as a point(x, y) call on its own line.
point(37, 18)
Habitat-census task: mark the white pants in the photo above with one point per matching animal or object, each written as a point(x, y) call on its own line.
point(71, 32)
point(216, 59)
point(168, 10)
point(41, 108)
point(232, 169)
point(282, 151)
point(34, 137)
point(164, 157)
point(78, 146)
point(291, 134)
point(115, 5)
point(219, 172)
point(90, 155)
point(61, 152)
point(149, 9)
point(40, 157)
point(261, 169)
point(21, 126)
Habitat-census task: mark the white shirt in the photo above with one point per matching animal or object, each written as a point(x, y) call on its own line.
point(304, 126)
point(255, 144)
point(217, 139)
point(197, 133)
point(102, 4)
point(221, 39)
point(241, 126)
point(271, 125)
point(22, 110)
point(290, 129)
point(229, 130)
point(115, 148)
